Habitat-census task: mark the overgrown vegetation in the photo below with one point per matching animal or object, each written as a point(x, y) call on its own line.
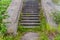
point(56, 17)
point(3, 15)
point(44, 30)
point(56, 2)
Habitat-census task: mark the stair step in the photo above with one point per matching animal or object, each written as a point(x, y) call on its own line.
point(31, 6)
point(30, 24)
point(30, 21)
point(26, 8)
point(30, 11)
point(30, 15)
point(30, 18)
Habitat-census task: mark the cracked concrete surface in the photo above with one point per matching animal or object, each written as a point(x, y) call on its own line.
point(30, 36)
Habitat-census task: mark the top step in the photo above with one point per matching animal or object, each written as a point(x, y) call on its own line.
point(29, 0)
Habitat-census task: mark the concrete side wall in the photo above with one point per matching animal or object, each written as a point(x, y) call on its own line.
point(14, 12)
point(48, 7)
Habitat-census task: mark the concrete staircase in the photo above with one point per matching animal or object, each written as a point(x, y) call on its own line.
point(30, 14)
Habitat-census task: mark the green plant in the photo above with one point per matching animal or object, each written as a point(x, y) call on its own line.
point(3, 15)
point(56, 17)
point(43, 36)
point(10, 37)
point(42, 20)
point(57, 37)
point(56, 2)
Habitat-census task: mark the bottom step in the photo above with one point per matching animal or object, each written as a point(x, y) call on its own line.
point(30, 26)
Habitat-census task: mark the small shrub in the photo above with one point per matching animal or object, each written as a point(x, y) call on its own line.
point(57, 37)
point(56, 17)
point(56, 2)
point(3, 15)
point(43, 36)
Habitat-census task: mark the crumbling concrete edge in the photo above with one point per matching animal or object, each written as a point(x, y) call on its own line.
point(48, 8)
point(13, 12)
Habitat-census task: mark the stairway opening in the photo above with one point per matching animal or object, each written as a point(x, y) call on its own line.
point(30, 15)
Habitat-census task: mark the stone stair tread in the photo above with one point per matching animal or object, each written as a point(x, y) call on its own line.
point(30, 15)
point(31, 11)
point(30, 24)
point(29, 21)
point(30, 18)
point(30, 7)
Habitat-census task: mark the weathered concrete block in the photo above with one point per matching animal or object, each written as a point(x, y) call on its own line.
point(30, 36)
point(48, 8)
point(14, 12)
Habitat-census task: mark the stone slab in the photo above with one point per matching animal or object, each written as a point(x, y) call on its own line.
point(14, 12)
point(48, 8)
point(30, 36)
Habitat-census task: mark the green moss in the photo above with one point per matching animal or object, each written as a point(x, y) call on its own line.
point(56, 2)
